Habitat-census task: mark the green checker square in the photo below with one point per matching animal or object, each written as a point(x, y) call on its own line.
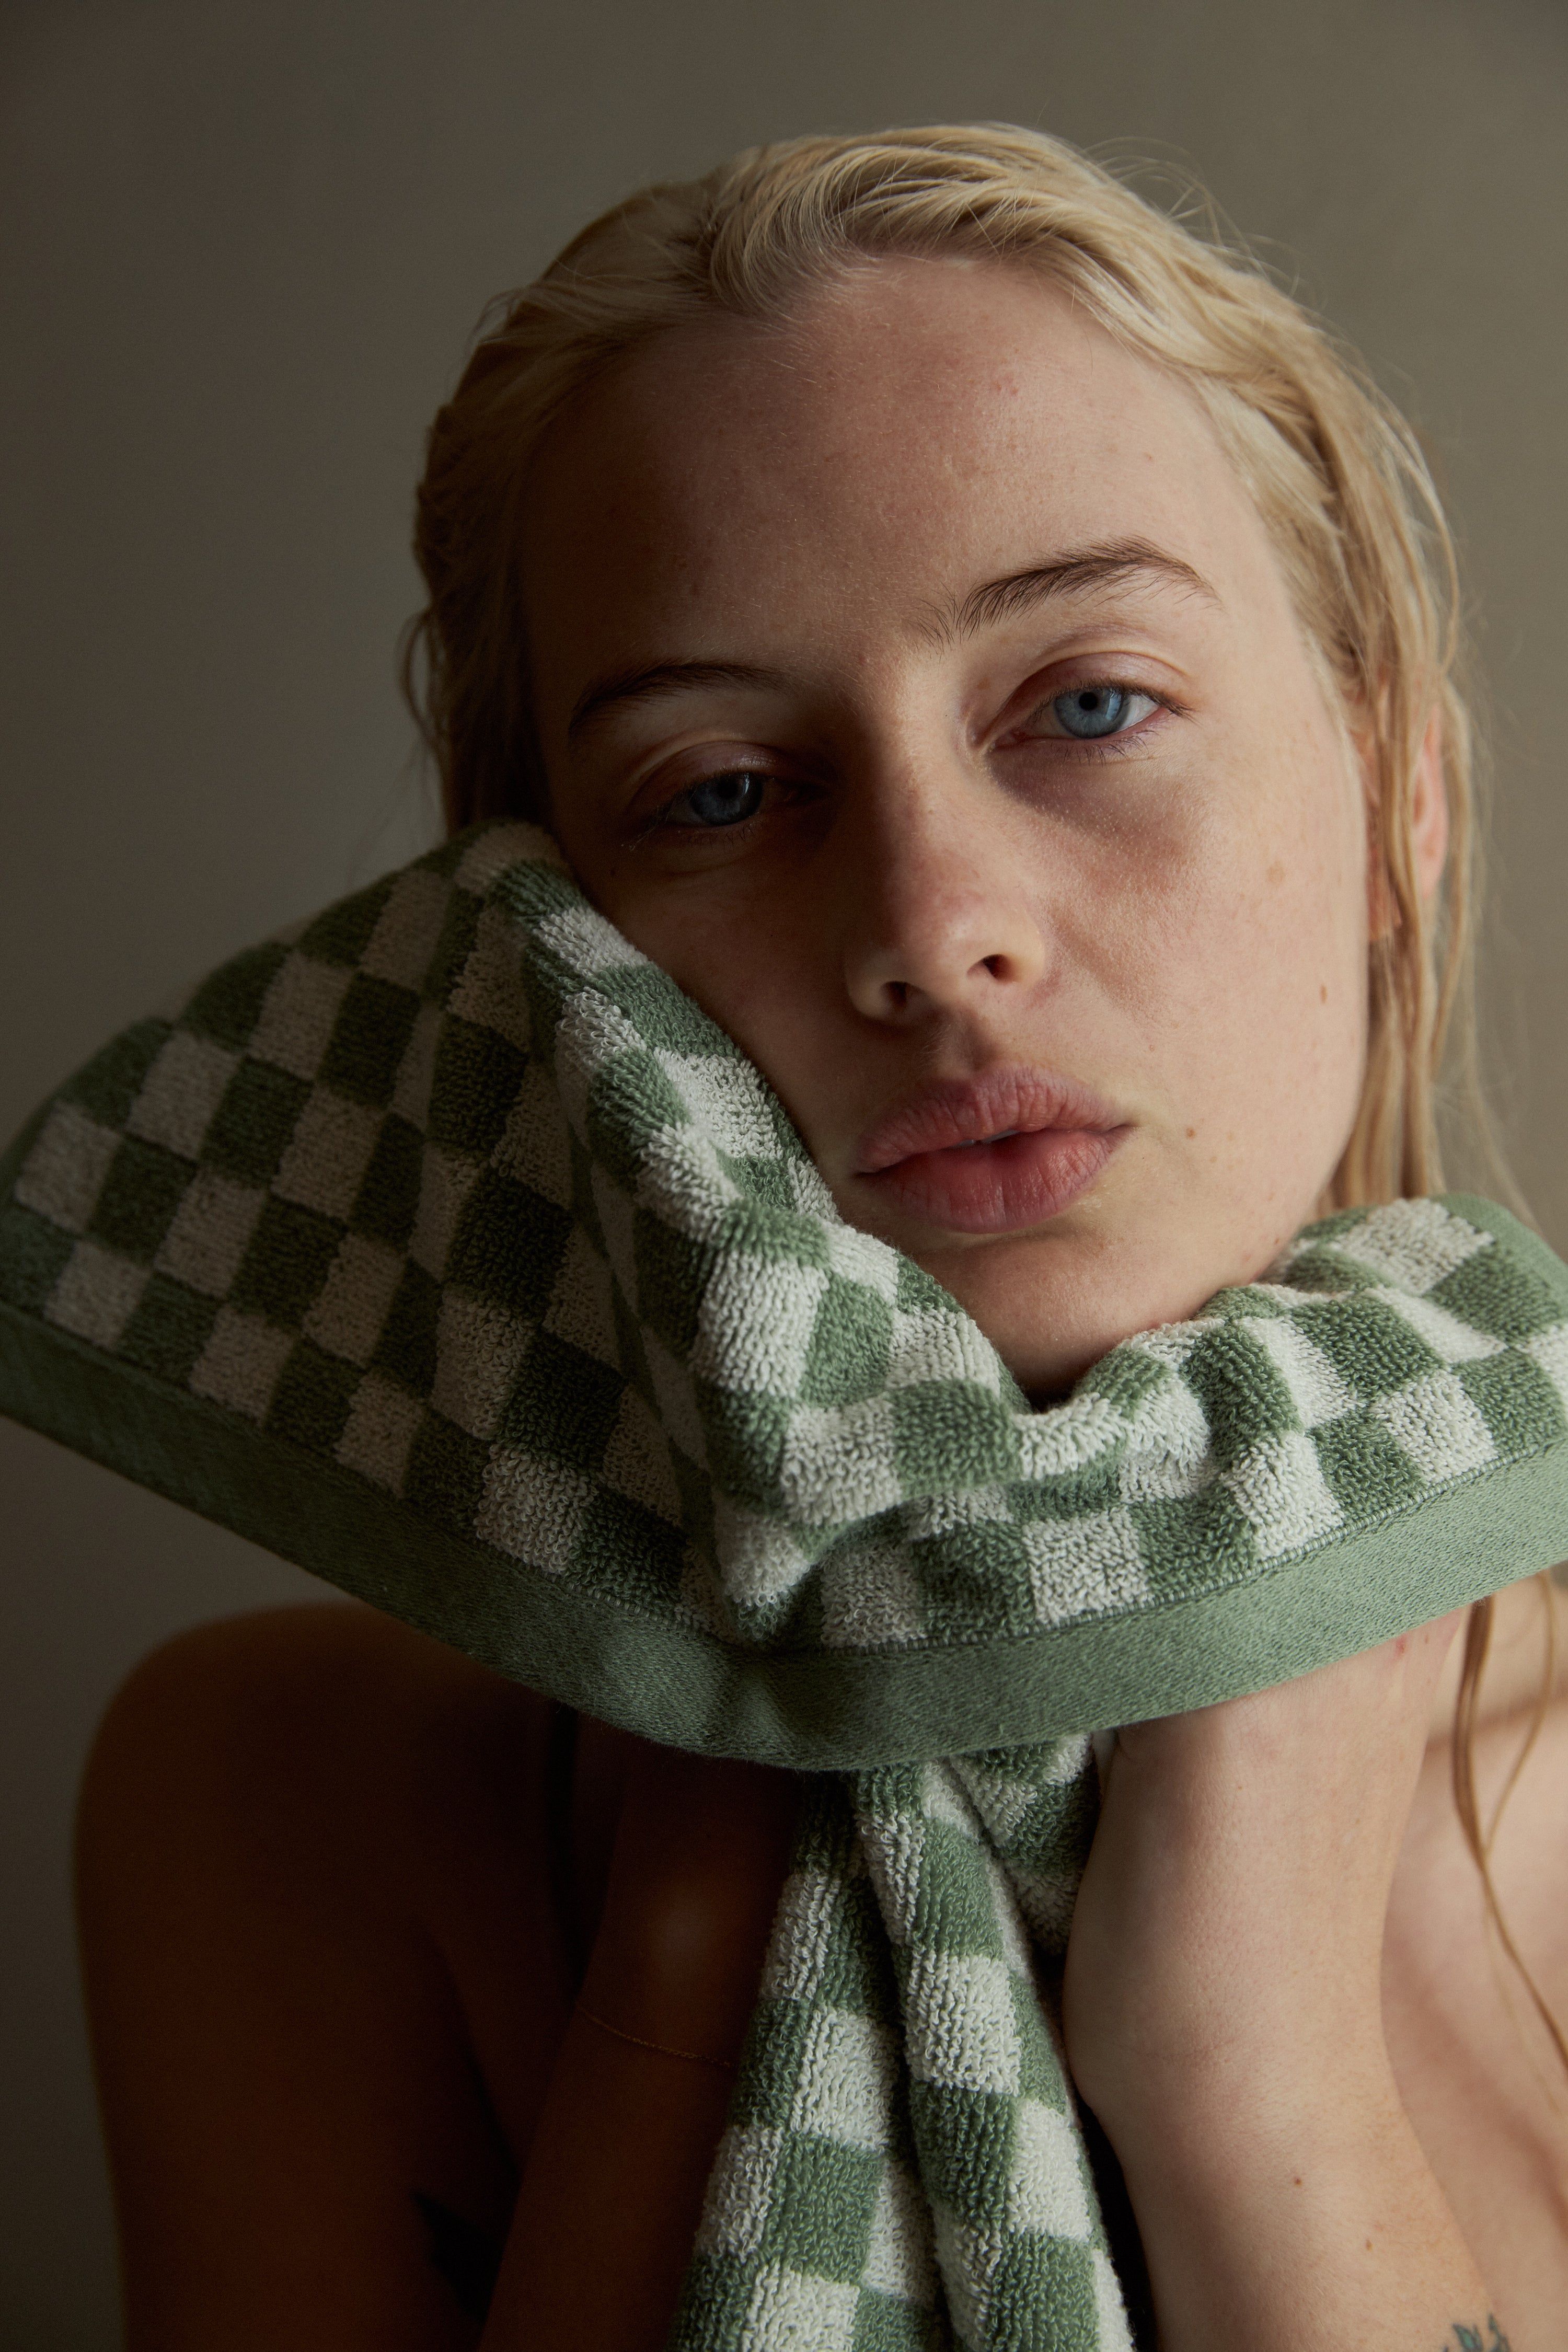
point(291, 1254)
point(765, 1180)
point(311, 1402)
point(341, 934)
point(564, 1405)
point(107, 1086)
point(951, 1434)
point(33, 1256)
point(369, 1039)
point(1071, 1493)
point(671, 1023)
point(857, 1963)
point(446, 1474)
point(168, 1330)
point(460, 928)
point(965, 2143)
point(770, 2067)
point(478, 1074)
point(227, 1006)
point(631, 1099)
point(712, 2308)
point(885, 2322)
point(253, 1124)
point(1037, 2274)
point(388, 1198)
point(824, 2197)
point(976, 1578)
point(1126, 1380)
point(955, 1914)
point(406, 1348)
point(1369, 1345)
point(1321, 1268)
point(745, 1441)
point(1368, 1473)
point(1518, 1403)
point(138, 1198)
point(1497, 1295)
point(825, 1837)
point(1240, 1390)
point(1193, 1543)
point(1039, 2070)
point(644, 1555)
point(917, 1293)
point(508, 1245)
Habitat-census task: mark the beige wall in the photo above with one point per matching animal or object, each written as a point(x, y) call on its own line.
point(240, 249)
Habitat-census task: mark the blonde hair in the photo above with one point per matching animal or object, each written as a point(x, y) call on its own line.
point(1335, 472)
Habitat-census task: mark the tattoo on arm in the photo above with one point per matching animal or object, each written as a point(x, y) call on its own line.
point(1478, 2339)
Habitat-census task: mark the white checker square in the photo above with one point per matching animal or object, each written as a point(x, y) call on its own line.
point(1282, 1494)
point(803, 1929)
point(637, 1461)
point(843, 2090)
point(728, 1098)
point(944, 1798)
point(1550, 1350)
point(299, 1014)
point(932, 1346)
point(240, 1363)
point(580, 1309)
point(739, 2191)
point(96, 1294)
point(490, 990)
point(1068, 1438)
point(861, 1257)
point(586, 943)
point(1115, 2332)
point(536, 1147)
point(1317, 1390)
point(940, 1514)
point(754, 1324)
point(681, 1180)
point(1455, 1342)
point(590, 1034)
point(488, 855)
point(960, 2021)
point(1168, 1450)
point(210, 1232)
point(1044, 2188)
point(347, 1316)
point(894, 1846)
point(533, 1509)
point(1438, 1426)
point(1082, 1568)
point(1414, 1245)
point(900, 2258)
point(324, 1162)
point(379, 1432)
point(408, 928)
point(416, 1071)
point(445, 1182)
point(812, 1198)
point(759, 1559)
point(181, 1092)
point(871, 1598)
point(676, 1400)
point(478, 1348)
point(838, 1463)
point(63, 1173)
point(793, 2311)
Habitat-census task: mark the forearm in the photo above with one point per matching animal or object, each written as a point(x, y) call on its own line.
point(1309, 2225)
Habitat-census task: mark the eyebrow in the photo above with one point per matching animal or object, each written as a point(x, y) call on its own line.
point(1078, 572)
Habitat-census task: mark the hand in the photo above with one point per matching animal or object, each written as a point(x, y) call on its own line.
point(1223, 2017)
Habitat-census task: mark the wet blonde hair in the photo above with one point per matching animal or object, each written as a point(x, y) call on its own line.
point(1336, 473)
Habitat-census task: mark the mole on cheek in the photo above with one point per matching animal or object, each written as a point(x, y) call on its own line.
point(1323, 993)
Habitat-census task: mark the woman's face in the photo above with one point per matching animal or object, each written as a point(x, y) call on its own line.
point(917, 684)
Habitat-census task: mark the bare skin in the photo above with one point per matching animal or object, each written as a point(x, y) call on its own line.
point(864, 837)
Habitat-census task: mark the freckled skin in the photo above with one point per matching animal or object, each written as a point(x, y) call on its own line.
point(1177, 920)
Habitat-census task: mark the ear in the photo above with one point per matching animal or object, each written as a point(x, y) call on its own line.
point(1429, 812)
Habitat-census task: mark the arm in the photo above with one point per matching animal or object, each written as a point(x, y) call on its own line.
point(1224, 2019)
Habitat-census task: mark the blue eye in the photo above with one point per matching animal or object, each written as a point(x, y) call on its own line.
point(1087, 712)
point(719, 800)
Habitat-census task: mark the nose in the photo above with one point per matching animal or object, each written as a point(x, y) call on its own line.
point(942, 919)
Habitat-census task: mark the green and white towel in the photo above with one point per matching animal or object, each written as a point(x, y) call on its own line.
point(443, 1247)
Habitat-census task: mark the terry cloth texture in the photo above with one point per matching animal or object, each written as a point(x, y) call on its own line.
point(445, 1247)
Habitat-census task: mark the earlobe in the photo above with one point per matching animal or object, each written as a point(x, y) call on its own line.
point(1429, 812)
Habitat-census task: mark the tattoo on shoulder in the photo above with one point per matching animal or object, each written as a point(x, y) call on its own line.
point(1490, 2338)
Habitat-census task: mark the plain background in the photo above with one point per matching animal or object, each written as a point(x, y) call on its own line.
point(243, 247)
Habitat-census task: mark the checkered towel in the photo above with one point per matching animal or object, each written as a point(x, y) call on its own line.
point(442, 1245)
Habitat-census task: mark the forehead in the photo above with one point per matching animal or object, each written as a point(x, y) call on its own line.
point(901, 433)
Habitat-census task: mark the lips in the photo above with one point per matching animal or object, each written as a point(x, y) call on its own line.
point(1005, 1149)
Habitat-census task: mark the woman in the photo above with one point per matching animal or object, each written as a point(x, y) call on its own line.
point(988, 648)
